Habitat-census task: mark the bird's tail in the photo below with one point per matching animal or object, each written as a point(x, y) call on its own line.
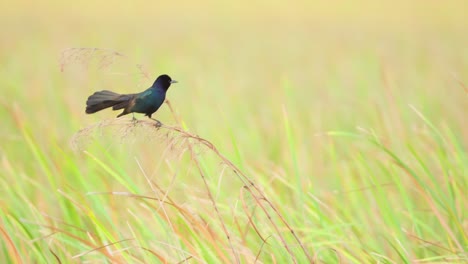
point(104, 99)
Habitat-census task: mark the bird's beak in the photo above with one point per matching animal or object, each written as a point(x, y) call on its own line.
point(174, 81)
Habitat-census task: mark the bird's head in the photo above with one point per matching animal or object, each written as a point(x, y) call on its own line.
point(163, 81)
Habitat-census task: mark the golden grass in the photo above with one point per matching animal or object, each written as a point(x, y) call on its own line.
point(298, 132)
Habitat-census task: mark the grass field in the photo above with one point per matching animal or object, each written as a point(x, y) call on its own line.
point(298, 132)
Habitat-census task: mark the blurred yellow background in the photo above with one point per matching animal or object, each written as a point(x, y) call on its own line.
point(240, 65)
point(265, 81)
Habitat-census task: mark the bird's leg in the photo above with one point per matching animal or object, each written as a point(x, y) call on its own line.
point(158, 123)
point(134, 120)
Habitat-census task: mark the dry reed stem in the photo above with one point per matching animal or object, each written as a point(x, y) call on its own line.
point(174, 135)
point(177, 137)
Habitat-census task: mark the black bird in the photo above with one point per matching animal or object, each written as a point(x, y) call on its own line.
point(146, 102)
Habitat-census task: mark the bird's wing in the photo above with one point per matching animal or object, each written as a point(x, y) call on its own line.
point(144, 94)
point(126, 97)
point(124, 100)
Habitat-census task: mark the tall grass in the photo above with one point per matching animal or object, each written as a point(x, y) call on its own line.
point(298, 133)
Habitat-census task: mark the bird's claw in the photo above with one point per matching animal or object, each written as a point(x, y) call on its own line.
point(158, 123)
point(134, 120)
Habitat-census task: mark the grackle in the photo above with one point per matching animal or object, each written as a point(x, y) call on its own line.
point(146, 102)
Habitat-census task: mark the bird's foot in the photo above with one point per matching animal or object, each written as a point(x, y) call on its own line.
point(158, 123)
point(134, 120)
